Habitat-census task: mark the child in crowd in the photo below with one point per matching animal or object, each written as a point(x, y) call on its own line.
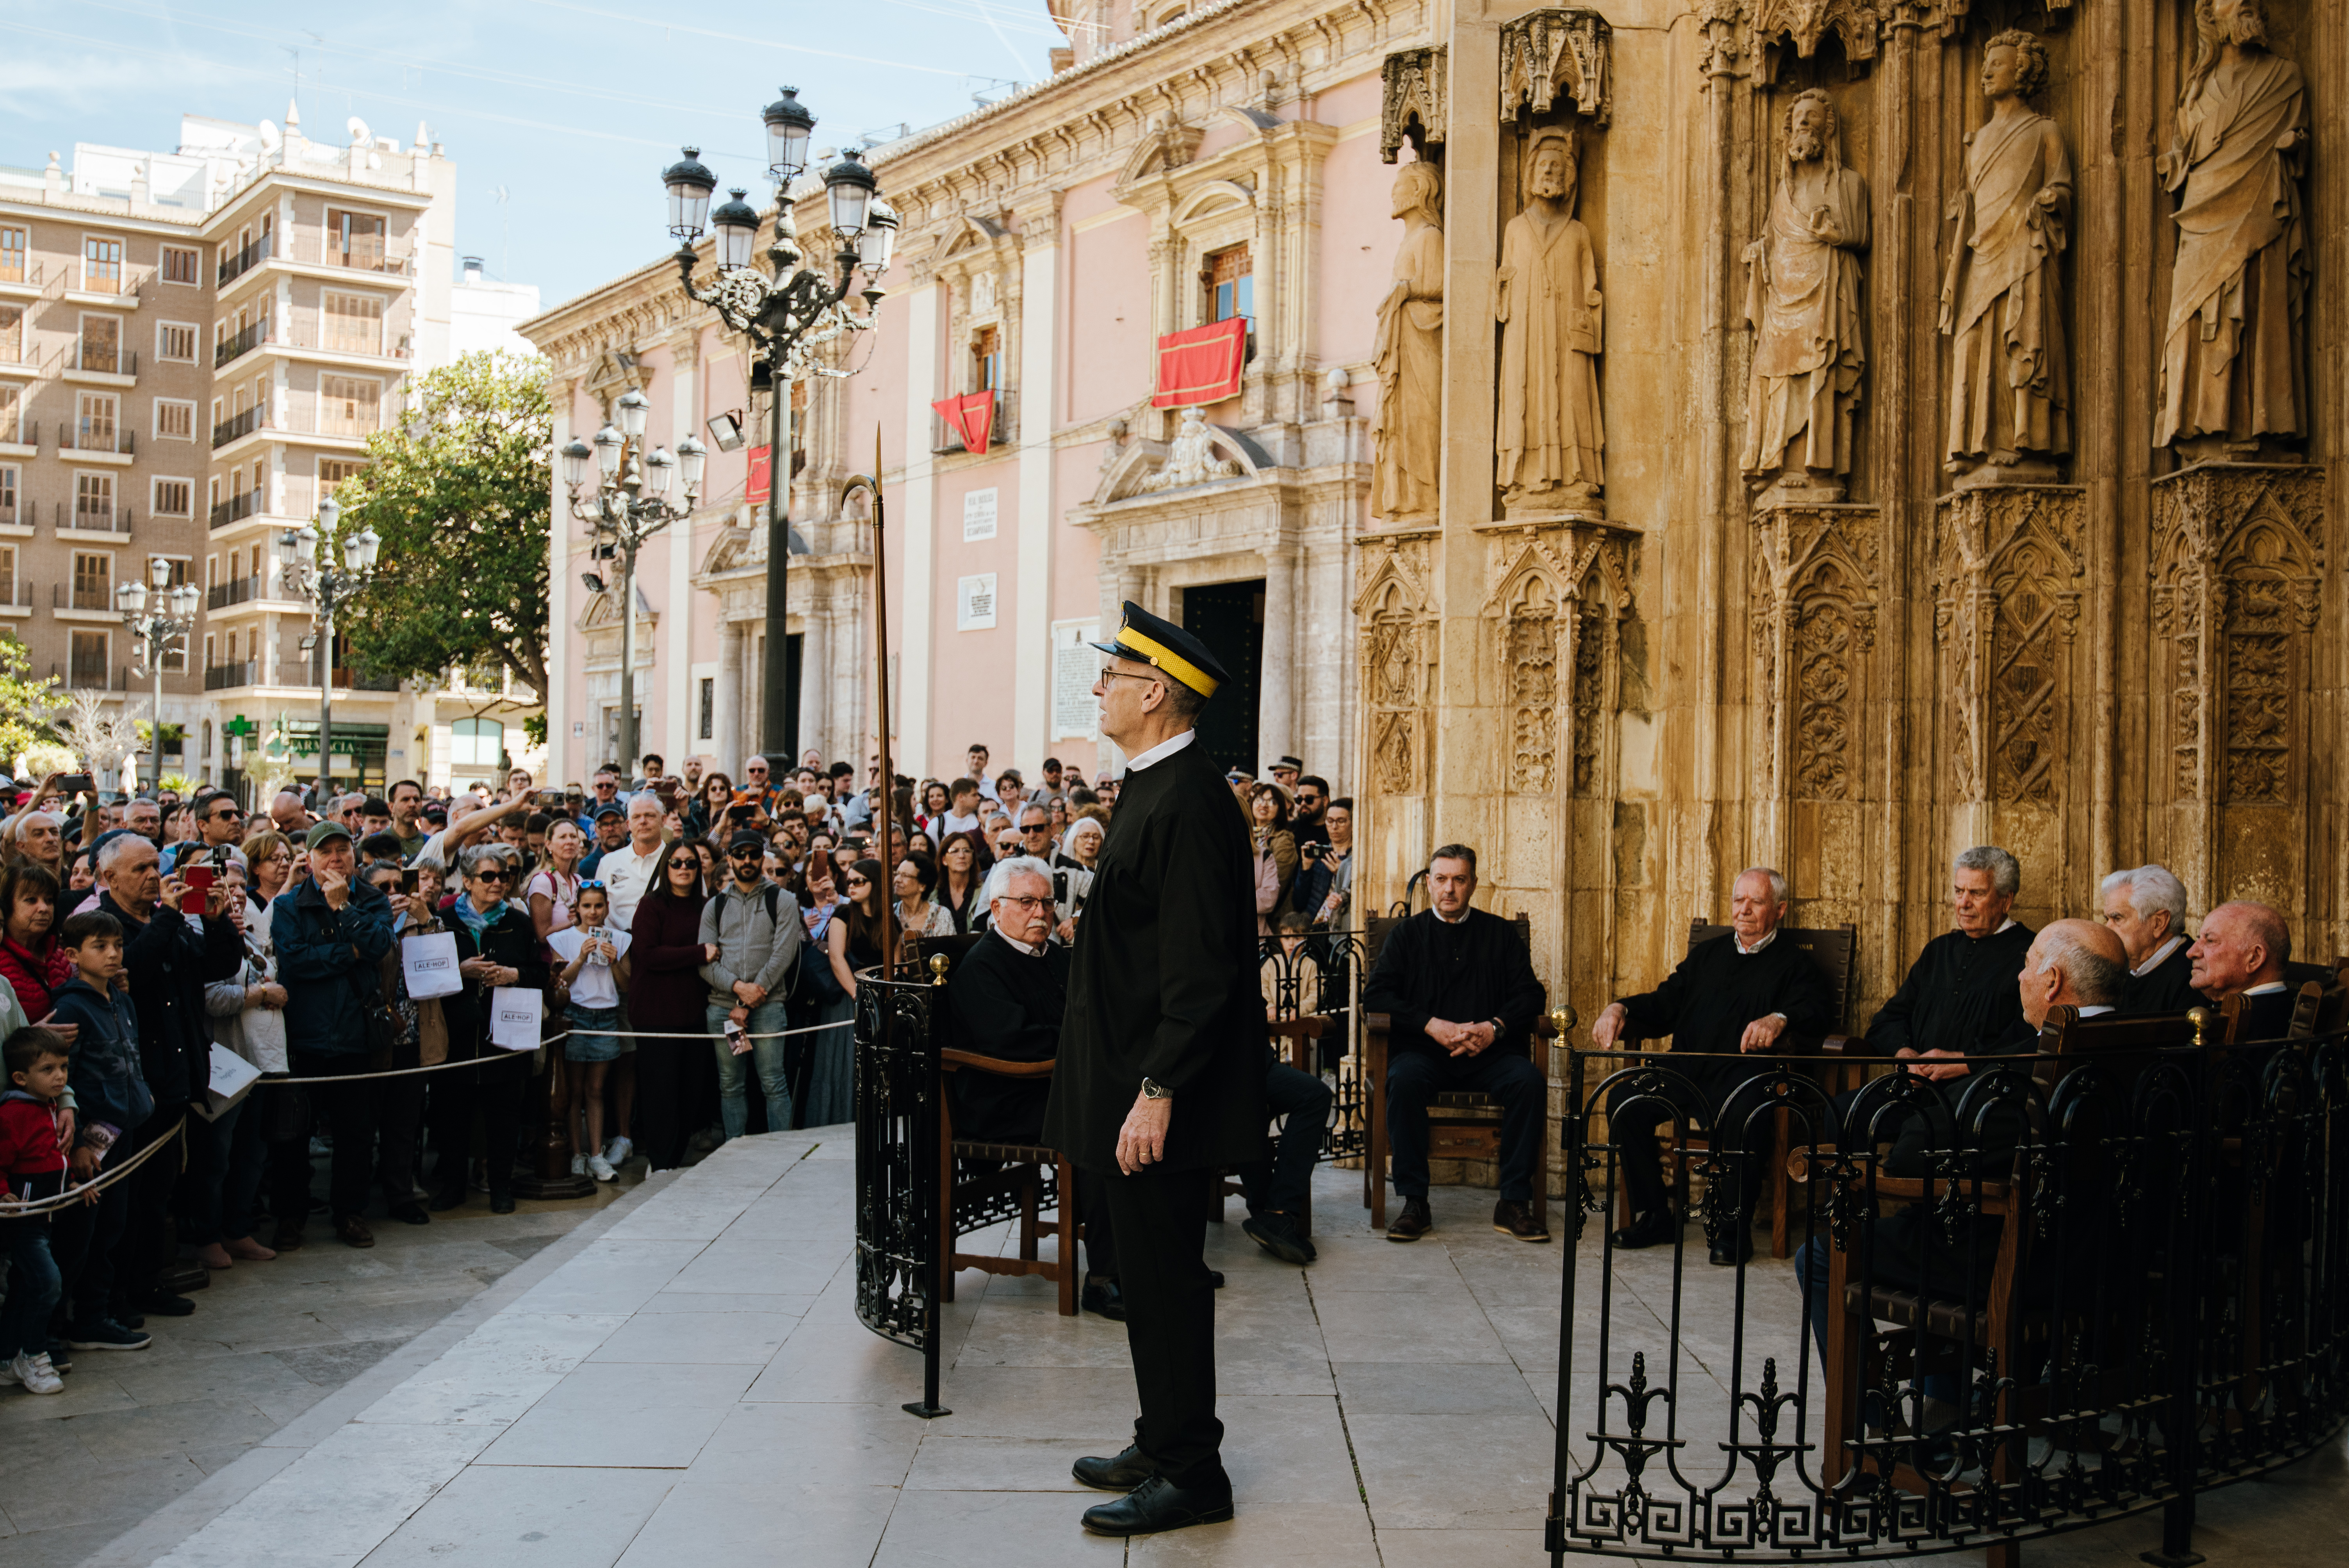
point(33, 1163)
point(111, 1094)
point(596, 967)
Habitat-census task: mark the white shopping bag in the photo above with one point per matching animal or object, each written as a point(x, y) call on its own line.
point(429, 964)
point(233, 1078)
point(514, 1017)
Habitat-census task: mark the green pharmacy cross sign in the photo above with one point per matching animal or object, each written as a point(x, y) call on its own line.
point(239, 726)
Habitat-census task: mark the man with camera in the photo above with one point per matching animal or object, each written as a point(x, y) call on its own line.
point(219, 823)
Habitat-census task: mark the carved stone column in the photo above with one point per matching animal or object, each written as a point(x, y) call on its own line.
point(1397, 612)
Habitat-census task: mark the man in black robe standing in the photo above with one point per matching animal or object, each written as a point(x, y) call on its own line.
point(1160, 1077)
point(1732, 997)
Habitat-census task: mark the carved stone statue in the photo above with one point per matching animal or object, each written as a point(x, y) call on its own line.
point(1802, 299)
point(1191, 456)
point(2001, 301)
point(1549, 439)
point(2231, 366)
point(1408, 434)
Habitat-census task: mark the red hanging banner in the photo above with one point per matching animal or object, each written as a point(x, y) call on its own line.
point(971, 417)
point(1202, 365)
point(762, 467)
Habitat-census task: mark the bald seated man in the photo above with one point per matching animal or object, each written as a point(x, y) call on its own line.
point(2243, 951)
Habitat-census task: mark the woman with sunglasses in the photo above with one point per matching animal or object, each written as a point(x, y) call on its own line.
point(706, 813)
point(850, 943)
point(496, 947)
point(665, 997)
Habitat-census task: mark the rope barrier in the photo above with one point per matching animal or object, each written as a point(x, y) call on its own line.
point(73, 1195)
point(298, 1081)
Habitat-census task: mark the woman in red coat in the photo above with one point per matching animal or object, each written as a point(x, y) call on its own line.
point(666, 997)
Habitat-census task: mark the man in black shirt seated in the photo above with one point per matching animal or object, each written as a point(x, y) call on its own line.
point(1732, 995)
point(1009, 994)
point(2243, 950)
point(1961, 993)
point(1458, 987)
point(2146, 908)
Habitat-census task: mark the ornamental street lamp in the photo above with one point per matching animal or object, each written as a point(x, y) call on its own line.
point(787, 313)
point(160, 634)
point(628, 505)
point(328, 590)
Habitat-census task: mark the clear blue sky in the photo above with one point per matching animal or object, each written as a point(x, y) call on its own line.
point(572, 107)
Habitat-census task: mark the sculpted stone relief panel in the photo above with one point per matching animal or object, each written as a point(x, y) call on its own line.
point(1396, 613)
point(2011, 570)
point(1816, 586)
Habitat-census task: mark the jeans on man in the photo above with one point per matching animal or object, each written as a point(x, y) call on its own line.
point(33, 1285)
point(734, 1103)
point(1414, 1081)
point(1284, 1180)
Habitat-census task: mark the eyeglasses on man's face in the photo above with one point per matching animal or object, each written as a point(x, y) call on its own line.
point(1018, 902)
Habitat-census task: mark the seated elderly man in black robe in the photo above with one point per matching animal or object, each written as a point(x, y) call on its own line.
point(1459, 990)
point(1734, 995)
point(2245, 949)
point(1961, 994)
point(2146, 908)
point(1008, 995)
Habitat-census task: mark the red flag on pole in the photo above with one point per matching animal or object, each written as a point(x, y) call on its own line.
point(1202, 365)
point(971, 417)
point(762, 467)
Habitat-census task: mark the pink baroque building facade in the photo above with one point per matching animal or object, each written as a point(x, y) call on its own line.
point(1186, 165)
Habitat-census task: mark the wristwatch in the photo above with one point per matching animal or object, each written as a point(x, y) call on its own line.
point(1152, 1090)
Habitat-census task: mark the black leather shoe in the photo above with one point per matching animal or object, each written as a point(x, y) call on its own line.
point(1414, 1222)
point(1656, 1228)
point(1514, 1217)
point(1157, 1504)
point(1277, 1233)
point(410, 1212)
point(1738, 1248)
point(447, 1198)
point(1102, 1296)
point(1123, 1472)
point(1216, 1278)
point(501, 1203)
point(164, 1304)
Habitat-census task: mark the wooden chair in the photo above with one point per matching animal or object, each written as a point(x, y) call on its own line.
point(1293, 1039)
point(2001, 1322)
point(1833, 949)
point(2319, 1010)
point(1015, 1189)
point(1461, 1125)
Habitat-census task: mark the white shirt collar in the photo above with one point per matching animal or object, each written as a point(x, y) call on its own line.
point(1768, 937)
point(2005, 927)
point(1162, 751)
point(2093, 1008)
point(2269, 989)
point(2159, 955)
point(1451, 919)
point(1028, 948)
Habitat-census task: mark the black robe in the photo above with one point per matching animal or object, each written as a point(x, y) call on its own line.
point(1162, 984)
point(1960, 995)
point(1469, 973)
point(1706, 1003)
point(2266, 1016)
point(1009, 1005)
point(2167, 989)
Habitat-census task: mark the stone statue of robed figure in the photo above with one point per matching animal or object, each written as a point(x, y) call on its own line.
point(1549, 439)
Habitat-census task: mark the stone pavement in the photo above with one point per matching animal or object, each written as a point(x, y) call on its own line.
point(268, 1341)
point(682, 1379)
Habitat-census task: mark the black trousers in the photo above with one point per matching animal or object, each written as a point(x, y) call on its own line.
point(660, 1092)
point(1284, 1180)
point(1159, 1217)
point(348, 1109)
point(147, 1213)
point(1722, 1102)
point(495, 1089)
point(1414, 1081)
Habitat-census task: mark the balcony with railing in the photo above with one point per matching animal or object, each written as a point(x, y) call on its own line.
point(90, 435)
point(238, 425)
point(221, 677)
point(92, 674)
point(235, 266)
point(16, 595)
point(238, 506)
point(243, 343)
point(102, 358)
point(81, 596)
point(89, 517)
point(331, 421)
point(235, 591)
point(946, 439)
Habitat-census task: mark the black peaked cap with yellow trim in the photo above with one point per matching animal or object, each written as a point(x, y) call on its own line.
point(1167, 647)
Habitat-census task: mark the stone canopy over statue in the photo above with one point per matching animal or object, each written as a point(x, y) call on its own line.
point(1408, 434)
point(2001, 299)
point(2232, 375)
point(1550, 441)
point(1803, 300)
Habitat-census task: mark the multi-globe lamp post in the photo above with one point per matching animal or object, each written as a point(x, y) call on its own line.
point(160, 633)
point(788, 313)
point(628, 505)
point(328, 590)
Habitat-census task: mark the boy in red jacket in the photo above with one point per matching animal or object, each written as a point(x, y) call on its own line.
point(33, 1161)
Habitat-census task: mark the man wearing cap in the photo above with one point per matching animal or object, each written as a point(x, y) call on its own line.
point(1160, 1075)
point(611, 829)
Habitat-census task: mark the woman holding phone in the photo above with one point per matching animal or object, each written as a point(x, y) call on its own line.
point(554, 888)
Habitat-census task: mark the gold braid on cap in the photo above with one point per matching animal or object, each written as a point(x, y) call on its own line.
point(1164, 659)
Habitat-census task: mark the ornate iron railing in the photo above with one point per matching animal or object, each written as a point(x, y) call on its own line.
point(2049, 1292)
point(1322, 975)
point(898, 1087)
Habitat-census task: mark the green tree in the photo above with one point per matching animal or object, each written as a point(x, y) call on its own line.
point(28, 706)
point(459, 495)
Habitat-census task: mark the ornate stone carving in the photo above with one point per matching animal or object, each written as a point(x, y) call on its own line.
point(1408, 432)
point(1806, 23)
point(1530, 663)
point(2011, 569)
point(1191, 456)
point(2232, 376)
point(1395, 612)
point(2238, 568)
point(1802, 300)
point(1411, 104)
point(2001, 297)
point(1557, 52)
point(1816, 586)
point(1549, 439)
point(1561, 594)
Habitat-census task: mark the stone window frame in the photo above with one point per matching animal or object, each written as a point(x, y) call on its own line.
point(984, 246)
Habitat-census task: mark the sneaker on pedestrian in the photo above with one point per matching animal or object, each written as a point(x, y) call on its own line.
point(105, 1335)
point(579, 1165)
point(617, 1152)
point(600, 1167)
point(35, 1374)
